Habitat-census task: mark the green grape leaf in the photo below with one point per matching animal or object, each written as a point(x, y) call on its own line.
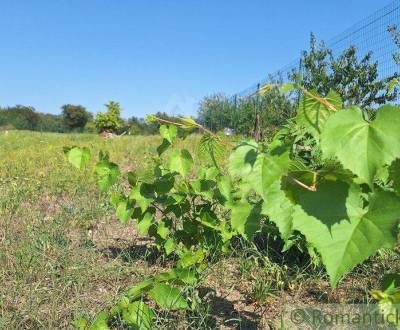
point(168, 297)
point(180, 161)
point(225, 187)
point(278, 208)
point(245, 218)
point(209, 219)
point(342, 232)
point(360, 146)
point(139, 315)
point(390, 283)
point(275, 165)
point(203, 188)
point(163, 147)
point(211, 149)
point(139, 289)
point(124, 212)
point(252, 180)
point(185, 275)
point(79, 157)
point(81, 323)
point(132, 178)
point(137, 194)
point(242, 159)
point(144, 224)
point(100, 322)
point(169, 133)
point(394, 175)
point(162, 230)
point(313, 114)
point(106, 173)
point(169, 246)
point(190, 258)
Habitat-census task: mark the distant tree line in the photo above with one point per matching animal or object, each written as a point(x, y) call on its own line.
point(75, 118)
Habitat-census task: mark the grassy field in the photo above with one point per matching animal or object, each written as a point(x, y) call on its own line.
point(63, 255)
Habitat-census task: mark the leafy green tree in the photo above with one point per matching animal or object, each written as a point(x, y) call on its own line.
point(110, 120)
point(51, 123)
point(354, 78)
point(20, 117)
point(75, 116)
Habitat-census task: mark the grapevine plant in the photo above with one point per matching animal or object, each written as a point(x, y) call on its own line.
point(330, 175)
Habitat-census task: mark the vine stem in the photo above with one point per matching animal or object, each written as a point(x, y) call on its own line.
point(197, 125)
point(318, 98)
point(321, 100)
point(312, 188)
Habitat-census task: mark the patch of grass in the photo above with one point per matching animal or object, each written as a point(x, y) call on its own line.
point(63, 255)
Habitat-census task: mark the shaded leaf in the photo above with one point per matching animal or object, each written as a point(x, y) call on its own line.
point(168, 297)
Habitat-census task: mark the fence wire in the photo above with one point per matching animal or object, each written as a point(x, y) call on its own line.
point(368, 35)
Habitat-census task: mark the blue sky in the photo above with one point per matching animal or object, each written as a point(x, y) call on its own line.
point(154, 55)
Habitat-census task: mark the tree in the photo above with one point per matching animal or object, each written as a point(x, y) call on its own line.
point(110, 120)
point(51, 123)
point(354, 78)
point(20, 117)
point(75, 116)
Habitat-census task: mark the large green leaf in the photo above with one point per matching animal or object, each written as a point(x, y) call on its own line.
point(169, 133)
point(163, 147)
point(245, 218)
point(180, 161)
point(278, 208)
point(360, 146)
point(211, 149)
point(140, 288)
point(394, 175)
point(168, 297)
point(144, 223)
point(124, 212)
point(242, 159)
point(276, 205)
point(79, 156)
point(313, 114)
point(139, 315)
point(106, 173)
point(342, 232)
point(137, 194)
point(275, 165)
point(252, 180)
point(225, 187)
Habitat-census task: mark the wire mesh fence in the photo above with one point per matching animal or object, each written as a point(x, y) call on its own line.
point(368, 35)
point(248, 113)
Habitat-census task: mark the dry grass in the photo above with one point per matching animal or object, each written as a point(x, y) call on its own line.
point(63, 255)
